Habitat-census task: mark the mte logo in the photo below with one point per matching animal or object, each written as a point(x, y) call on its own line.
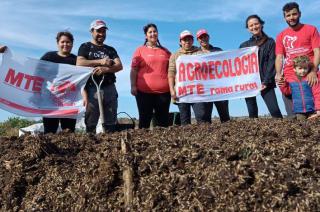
point(24, 81)
point(288, 41)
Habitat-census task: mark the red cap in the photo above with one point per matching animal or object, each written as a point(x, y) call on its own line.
point(201, 32)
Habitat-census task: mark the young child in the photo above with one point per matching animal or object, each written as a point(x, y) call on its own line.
point(306, 99)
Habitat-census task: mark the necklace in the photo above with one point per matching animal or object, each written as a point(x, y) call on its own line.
point(152, 46)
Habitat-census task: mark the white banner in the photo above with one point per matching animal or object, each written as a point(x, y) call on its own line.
point(31, 87)
point(218, 76)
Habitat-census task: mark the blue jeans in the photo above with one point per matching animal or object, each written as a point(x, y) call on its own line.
point(269, 97)
point(110, 106)
point(199, 110)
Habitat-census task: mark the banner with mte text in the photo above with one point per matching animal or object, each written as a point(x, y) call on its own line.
point(31, 87)
point(218, 76)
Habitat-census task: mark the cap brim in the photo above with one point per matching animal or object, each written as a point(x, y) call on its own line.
point(99, 27)
point(186, 36)
point(203, 33)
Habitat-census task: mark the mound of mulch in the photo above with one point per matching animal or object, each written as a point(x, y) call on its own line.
point(242, 165)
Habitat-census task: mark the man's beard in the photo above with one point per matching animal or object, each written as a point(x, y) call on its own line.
point(294, 25)
point(100, 39)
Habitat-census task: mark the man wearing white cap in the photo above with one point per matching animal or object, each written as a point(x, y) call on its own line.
point(187, 48)
point(222, 106)
point(106, 62)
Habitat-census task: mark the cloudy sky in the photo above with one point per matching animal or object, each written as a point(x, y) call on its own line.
point(29, 27)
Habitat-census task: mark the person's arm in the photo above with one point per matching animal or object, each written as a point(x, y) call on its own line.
point(117, 66)
point(83, 55)
point(270, 67)
point(82, 61)
point(171, 76)
point(278, 65)
point(133, 80)
point(312, 76)
point(84, 94)
point(2, 49)
point(171, 80)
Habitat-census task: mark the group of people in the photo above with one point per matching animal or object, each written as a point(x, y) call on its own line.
point(296, 51)
point(152, 64)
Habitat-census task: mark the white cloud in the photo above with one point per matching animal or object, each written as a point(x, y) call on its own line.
point(172, 11)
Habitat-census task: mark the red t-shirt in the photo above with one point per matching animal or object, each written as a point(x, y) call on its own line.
point(292, 43)
point(152, 65)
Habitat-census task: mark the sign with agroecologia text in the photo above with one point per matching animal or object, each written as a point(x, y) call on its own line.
point(218, 76)
point(37, 88)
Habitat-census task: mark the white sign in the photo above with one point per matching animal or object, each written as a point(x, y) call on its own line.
point(218, 76)
point(31, 87)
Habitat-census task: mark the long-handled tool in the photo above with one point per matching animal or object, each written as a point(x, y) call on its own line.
point(100, 101)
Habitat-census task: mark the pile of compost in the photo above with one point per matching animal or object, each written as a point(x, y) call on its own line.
point(242, 165)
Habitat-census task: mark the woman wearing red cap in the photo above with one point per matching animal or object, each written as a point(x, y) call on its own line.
point(187, 48)
point(222, 106)
point(266, 45)
point(149, 83)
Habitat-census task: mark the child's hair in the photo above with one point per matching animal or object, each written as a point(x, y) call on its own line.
point(303, 62)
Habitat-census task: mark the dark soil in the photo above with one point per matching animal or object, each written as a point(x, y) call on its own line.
point(243, 165)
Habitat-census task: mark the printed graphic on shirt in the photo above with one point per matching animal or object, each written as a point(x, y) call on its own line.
point(288, 41)
point(98, 54)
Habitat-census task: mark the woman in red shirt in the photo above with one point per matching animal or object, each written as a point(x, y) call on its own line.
point(149, 81)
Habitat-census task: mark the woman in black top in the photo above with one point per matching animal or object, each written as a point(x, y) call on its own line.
point(266, 45)
point(63, 55)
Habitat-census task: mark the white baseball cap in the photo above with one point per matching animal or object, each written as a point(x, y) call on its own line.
point(97, 24)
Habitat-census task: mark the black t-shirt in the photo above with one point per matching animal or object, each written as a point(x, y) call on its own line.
point(92, 52)
point(55, 58)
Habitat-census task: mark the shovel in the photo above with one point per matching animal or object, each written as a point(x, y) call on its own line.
point(100, 101)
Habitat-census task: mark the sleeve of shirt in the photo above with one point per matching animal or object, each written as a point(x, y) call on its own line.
point(113, 54)
point(285, 89)
point(172, 65)
point(270, 67)
point(136, 59)
point(315, 39)
point(279, 45)
point(83, 51)
point(45, 57)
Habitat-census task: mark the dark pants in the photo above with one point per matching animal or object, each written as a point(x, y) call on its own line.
point(150, 102)
point(222, 108)
point(51, 125)
point(287, 100)
point(269, 97)
point(110, 106)
point(199, 110)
